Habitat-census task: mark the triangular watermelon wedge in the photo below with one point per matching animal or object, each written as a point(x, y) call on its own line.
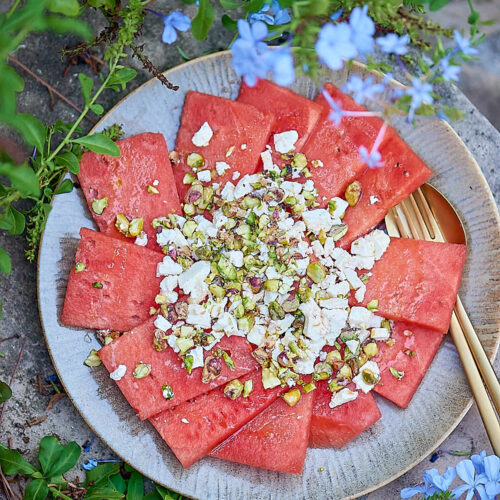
point(411, 355)
point(417, 281)
point(116, 287)
point(290, 110)
point(335, 427)
point(276, 439)
point(145, 394)
point(137, 184)
point(240, 134)
point(196, 427)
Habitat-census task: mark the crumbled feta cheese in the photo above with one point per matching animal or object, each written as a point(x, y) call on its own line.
point(198, 316)
point(227, 193)
point(205, 226)
point(243, 147)
point(317, 220)
point(156, 182)
point(162, 323)
point(353, 345)
point(334, 303)
point(343, 396)
point(359, 295)
point(226, 323)
point(203, 136)
point(340, 207)
point(302, 265)
point(229, 151)
point(171, 236)
point(245, 187)
point(361, 383)
point(184, 420)
point(380, 334)
point(167, 266)
point(221, 167)
point(192, 280)
point(119, 373)
point(197, 354)
point(381, 241)
point(142, 239)
point(284, 142)
point(359, 317)
point(169, 283)
point(235, 257)
point(373, 199)
point(322, 356)
point(335, 320)
point(313, 326)
point(257, 334)
point(236, 175)
point(204, 176)
point(267, 161)
point(219, 219)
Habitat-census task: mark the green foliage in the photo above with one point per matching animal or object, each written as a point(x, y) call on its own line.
point(5, 392)
point(203, 20)
point(445, 495)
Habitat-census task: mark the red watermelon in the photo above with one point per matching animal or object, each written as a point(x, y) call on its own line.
point(276, 439)
point(240, 133)
point(196, 427)
point(411, 354)
point(117, 286)
point(417, 281)
point(124, 182)
point(335, 427)
point(145, 394)
point(290, 110)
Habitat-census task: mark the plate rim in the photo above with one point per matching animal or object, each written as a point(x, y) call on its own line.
point(358, 67)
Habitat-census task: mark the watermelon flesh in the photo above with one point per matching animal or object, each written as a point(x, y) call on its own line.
point(234, 125)
point(335, 427)
point(196, 427)
point(417, 281)
point(145, 395)
point(290, 110)
point(124, 181)
point(117, 286)
point(276, 439)
point(412, 353)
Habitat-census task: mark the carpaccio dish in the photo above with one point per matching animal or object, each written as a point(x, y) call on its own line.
point(247, 301)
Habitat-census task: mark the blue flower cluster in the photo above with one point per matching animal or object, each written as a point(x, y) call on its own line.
point(277, 17)
point(480, 474)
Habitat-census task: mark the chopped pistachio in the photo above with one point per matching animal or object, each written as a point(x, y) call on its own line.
point(334, 386)
point(122, 223)
point(333, 356)
point(246, 323)
point(372, 305)
point(195, 160)
point(292, 397)
point(79, 267)
point(316, 271)
point(184, 344)
point(338, 231)
point(189, 209)
point(365, 277)
point(217, 291)
point(368, 376)
point(188, 178)
point(276, 311)
point(97, 284)
point(291, 304)
point(93, 359)
point(152, 190)
point(371, 349)
point(311, 386)
point(211, 369)
point(345, 372)
point(135, 227)
point(247, 388)
point(188, 363)
point(269, 379)
point(228, 360)
point(299, 161)
point(397, 373)
point(271, 285)
point(386, 324)
point(98, 205)
point(142, 370)
point(233, 389)
point(189, 228)
point(322, 371)
point(352, 193)
point(167, 392)
point(226, 269)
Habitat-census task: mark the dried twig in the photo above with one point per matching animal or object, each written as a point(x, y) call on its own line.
point(15, 336)
point(54, 399)
point(36, 421)
point(13, 374)
point(49, 87)
point(9, 492)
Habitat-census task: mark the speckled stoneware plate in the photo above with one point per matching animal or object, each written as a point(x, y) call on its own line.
point(393, 445)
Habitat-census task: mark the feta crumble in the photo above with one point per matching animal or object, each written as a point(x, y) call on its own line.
point(284, 142)
point(202, 137)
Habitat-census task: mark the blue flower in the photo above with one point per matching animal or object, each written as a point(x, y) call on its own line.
point(448, 71)
point(394, 44)
point(492, 473)
point(466, 472)
point(478, 461)
point(362, 89)
point(253, 59)
point(336, 15)
point(334, 44)
point(362, 29)
point(463, 44)
point(442, 483)
point(279, 15)
point(420, 93)
point(261, 16)
point(336, 112)
point(372, 160)
point(174, 21)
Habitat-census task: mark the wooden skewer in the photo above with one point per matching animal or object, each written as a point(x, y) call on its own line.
point(461, 329)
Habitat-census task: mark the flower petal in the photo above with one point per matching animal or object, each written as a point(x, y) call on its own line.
point(466, 471)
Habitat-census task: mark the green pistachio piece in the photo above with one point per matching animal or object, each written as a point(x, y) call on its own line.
point(167, 392)
point(195, 161)
point(271, 285)
point(299, 160)
point(247, 388)
point(93, 359)
point(246, 323)
point(79, 267)
point(122, 223)
point(370, 349)
point(233, 389)
point(372, 305)
point(269, 379)
point(395, 373)
point(333, 356)
point(142, 370)
point(135, 227)
point(311, 386)
point(345, 372)
point(386, 324)
point(226, 269)
point(189, 209)
point(217, 291)
point(207, 196)
point(188, 178)
point(352, 193)
point(334, 386)
point(276, 311)
point(290, 200)
point(250, 202)
point(189, 228)
point(97, 284)
point(369, 377)
point(316, 271)
point(337, 231)
point(291, 304)
point(188, 363)
point(152, 190)
point(322, 371)
point(228, 360)
point(184, 344)
point(248, 304)
point(98, 206)
point(292, 397)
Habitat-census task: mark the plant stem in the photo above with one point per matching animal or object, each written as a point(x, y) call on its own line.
point(13, 8)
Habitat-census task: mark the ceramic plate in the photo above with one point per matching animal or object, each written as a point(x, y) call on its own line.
point(393, 445)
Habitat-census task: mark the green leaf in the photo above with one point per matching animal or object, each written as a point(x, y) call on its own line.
point(97, 109)
point(473, 18)
point(121, 77)
point(66, 460)
point(437, 4)
point(203, 20)
point(66, 186)
point(98, 475)
point(22, 178)
point(12, 462)
point(99, 493)
point(5, 262)
point(48, 454)
point(87, 85)
point(5, 392)
point(70, 161)
point(255, 5)
point(135, 490)
point(19, 222)
point(6, 220)
point(154, 495)
point(228, 23)
point(230, 4)
point(166, 494)
point(182, 53)
point(36, 490)
point(99, 143)
point(118, 483)
point(67, 7)
point(32, 129)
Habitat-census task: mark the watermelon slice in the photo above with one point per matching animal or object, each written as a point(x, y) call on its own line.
point(412, 353)
point(290, 110)
point(145, 394)
point(276, 439)
point(417, 281)
point(240, 133)
point(196, 427)
point(335, 427)
point(117, 286)
point(124, 182)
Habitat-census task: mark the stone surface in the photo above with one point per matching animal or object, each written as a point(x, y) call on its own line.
point(18, 290)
